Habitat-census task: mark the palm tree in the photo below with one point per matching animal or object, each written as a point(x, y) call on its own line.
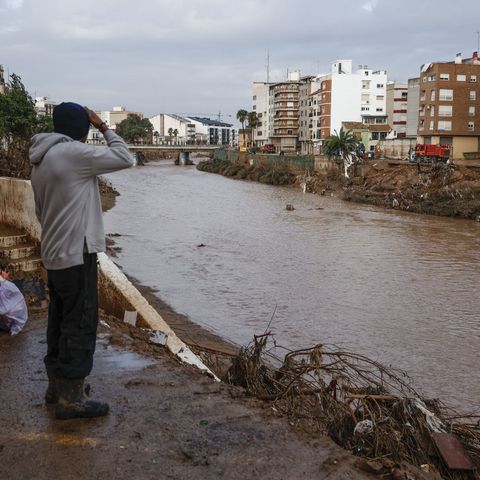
point(342, 145)
point(156, 135)
point(242, 116)
point(252, 124)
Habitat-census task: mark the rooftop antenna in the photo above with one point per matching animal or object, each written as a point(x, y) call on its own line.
point(268, 66)
point(478, 40)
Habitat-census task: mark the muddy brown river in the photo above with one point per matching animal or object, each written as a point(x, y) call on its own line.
point(399, 287)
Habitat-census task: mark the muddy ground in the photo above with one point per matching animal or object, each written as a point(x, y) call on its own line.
point(166, 421)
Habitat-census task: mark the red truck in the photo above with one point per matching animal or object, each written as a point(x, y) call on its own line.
point(432, 153)
point(268, 148)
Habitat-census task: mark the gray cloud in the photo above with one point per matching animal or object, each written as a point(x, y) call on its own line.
point(201, 56)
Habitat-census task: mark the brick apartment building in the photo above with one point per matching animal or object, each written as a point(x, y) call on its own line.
point(449, 105)
point(397, 98)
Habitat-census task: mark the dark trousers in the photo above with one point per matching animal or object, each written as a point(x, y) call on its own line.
point(72, 319)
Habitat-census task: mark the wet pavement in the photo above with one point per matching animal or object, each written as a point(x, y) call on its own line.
point(167, 421)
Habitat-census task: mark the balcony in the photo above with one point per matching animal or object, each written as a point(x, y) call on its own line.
point(286, 89)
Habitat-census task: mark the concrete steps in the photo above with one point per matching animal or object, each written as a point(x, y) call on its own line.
point(17, 252)
point(20, 257)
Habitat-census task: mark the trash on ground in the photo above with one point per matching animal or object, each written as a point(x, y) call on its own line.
point(13, 309)
point(366, 407)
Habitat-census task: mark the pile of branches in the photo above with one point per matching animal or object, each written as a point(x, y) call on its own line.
point(363, 405)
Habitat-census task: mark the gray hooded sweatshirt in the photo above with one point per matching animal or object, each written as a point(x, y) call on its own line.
point(67, 199)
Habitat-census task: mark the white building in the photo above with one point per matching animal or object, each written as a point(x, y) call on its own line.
point(214, 132)
point(347, 96)
point(413, 102)
point(44, 106)
point(166, 124)
point(260, 105)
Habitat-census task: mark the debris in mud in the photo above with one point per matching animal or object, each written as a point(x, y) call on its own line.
point(437, 189)
point(201, 245)
point(289, 207)
point(366, 407)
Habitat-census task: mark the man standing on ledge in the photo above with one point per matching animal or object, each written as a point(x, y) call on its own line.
point(67, 201)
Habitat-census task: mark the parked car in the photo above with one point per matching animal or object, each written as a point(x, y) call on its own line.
point(268, 148)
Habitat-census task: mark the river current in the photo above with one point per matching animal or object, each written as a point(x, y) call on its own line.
point(399, 287)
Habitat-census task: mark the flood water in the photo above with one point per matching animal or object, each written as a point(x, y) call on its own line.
point(399, 287)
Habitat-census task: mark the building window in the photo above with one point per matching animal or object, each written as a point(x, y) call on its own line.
point(324, 85)
point(471, 111)
point(365, 109)
point(374, 135)
point(254, 107)
point(289, 132)
point(432, 111)
point(379, 85)
point(432, 95)
point(443, 125)
point(380, 97)
point(379, 109)
point(366, 84)
point(445, 110)
point(424, 79)
point(431, 125)
point(461, 78)
point(473, 78)
point(431, 78)
point(445, 76)
point(254, 97)
point(259, 133)
point(446, 94)
point(472, 95)
point(365, 98)
point(471, 126)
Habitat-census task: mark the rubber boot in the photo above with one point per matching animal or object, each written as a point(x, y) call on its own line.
point(51, 395)
point(72, 401)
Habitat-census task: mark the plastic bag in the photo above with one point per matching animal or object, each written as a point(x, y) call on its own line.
point(13, 309)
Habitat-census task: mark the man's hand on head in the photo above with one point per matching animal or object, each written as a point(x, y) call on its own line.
point(96, 121)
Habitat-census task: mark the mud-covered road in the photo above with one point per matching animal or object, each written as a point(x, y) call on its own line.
point(167, 421)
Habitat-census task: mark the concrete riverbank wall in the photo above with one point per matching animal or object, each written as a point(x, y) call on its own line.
point(297, 164)
point(117, 294)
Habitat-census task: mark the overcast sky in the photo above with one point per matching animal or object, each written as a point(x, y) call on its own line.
point(199, 57)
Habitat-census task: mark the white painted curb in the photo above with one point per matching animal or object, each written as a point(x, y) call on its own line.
point(148, 314)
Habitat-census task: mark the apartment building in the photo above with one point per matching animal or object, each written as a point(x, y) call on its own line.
point(449, 105)
point(308, 114)
point(347, 96)
point(396, 105)
point(283, 122)
point(44, 106)
point(164, 123)
point(260, 105)
point(413, 100)
point(214, 132)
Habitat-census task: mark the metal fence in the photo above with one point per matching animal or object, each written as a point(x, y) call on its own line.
point(297, 162)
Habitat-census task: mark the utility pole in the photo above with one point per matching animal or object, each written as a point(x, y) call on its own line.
point(478, 41)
